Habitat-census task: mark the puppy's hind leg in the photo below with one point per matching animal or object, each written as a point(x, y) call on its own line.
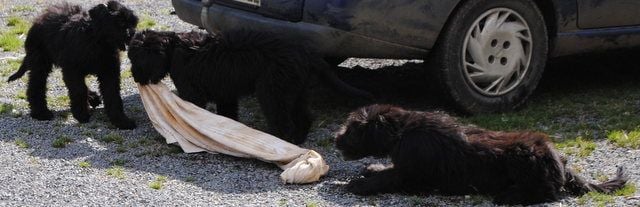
point(277, 109)
point(39, 67)
point(301, 118)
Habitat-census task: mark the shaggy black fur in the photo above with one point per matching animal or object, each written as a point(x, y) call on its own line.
point(207, 68)
point(431, 152)
point(81, 43)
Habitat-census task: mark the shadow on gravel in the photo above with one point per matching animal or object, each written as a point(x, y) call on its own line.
point(406, 85)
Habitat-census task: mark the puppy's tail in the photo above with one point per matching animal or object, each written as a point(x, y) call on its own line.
point(578, 186)
point(23, 69)
point(325, 72)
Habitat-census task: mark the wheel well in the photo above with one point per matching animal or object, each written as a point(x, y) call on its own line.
point(548, 10)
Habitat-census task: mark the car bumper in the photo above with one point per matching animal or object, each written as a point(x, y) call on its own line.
point(326, 40)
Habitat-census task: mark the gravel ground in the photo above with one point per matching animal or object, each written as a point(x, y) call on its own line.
point(92, 172)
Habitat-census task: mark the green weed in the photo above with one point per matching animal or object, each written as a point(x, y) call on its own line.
point(61, 142)
point(625, 139)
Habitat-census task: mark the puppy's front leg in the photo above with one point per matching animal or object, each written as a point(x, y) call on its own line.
point(384, 181)
point(228, 108)
point(374, 169)
point(78, 94)
point(109, 79)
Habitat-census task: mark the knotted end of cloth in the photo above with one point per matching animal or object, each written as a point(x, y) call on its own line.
point(307, 168)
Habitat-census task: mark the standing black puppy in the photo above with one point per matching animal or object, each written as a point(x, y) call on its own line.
point(80, 43)
point(221, 69)
point(430, 151)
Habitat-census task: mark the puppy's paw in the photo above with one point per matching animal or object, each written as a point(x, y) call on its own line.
point(94, 99)
point(125, 123)
point(82, 117)
point(43, 115)
point(373, 169)
point(360, 187)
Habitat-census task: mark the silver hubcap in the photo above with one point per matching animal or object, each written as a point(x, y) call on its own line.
point(497, 51)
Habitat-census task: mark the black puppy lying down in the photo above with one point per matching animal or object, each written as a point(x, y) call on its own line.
point(207, 68)
point(431, 151)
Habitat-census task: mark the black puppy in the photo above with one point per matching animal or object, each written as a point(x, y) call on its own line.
point(430, 151)
point(207, 68)
point(80, 43)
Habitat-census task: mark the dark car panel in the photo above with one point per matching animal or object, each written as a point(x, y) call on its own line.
point(595, 40)
point(326, 40)
point(290, 10)
point(414, 23)
point(608, 13)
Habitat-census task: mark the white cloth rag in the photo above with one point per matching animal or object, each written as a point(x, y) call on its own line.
point(196, 130)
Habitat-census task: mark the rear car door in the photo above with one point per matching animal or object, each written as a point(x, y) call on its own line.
point(608, 13)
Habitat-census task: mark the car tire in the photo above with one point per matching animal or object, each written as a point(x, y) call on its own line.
point(491, 55)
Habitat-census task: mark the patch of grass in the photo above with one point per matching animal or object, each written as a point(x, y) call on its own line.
point(311, 204)
point(628, 190)
point(601, 177)
point(121, 149)
point(174, 149)
point(146, 22)
point(190, 179)
point(416, 201)
point(61, 142)
point(477, 199)
point(125, 74)
point(132, 145)
point(596, 199)
point(17, 25)
point(10, 42)
point(87, 133)
point(21, 95)
point(6, 108)
point(27, 131)
point(21, 143)
point(579, 146)
point(116, 172)
point(162, 151)
point(58, 101)
point(158, 182)
point(601, 199)
point(625, 139)
point(10, 67)
point(571, 113)
point(113, 138)
point(10, 39)
point(325, 143)
point(283, 202)
point(119, 162)
point(23, 8)
point(84, 164)
point(146, 141)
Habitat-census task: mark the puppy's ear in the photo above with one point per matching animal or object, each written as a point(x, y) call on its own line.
point(99, 11)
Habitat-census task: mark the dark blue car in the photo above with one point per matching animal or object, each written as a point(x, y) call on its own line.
point(489, 55)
